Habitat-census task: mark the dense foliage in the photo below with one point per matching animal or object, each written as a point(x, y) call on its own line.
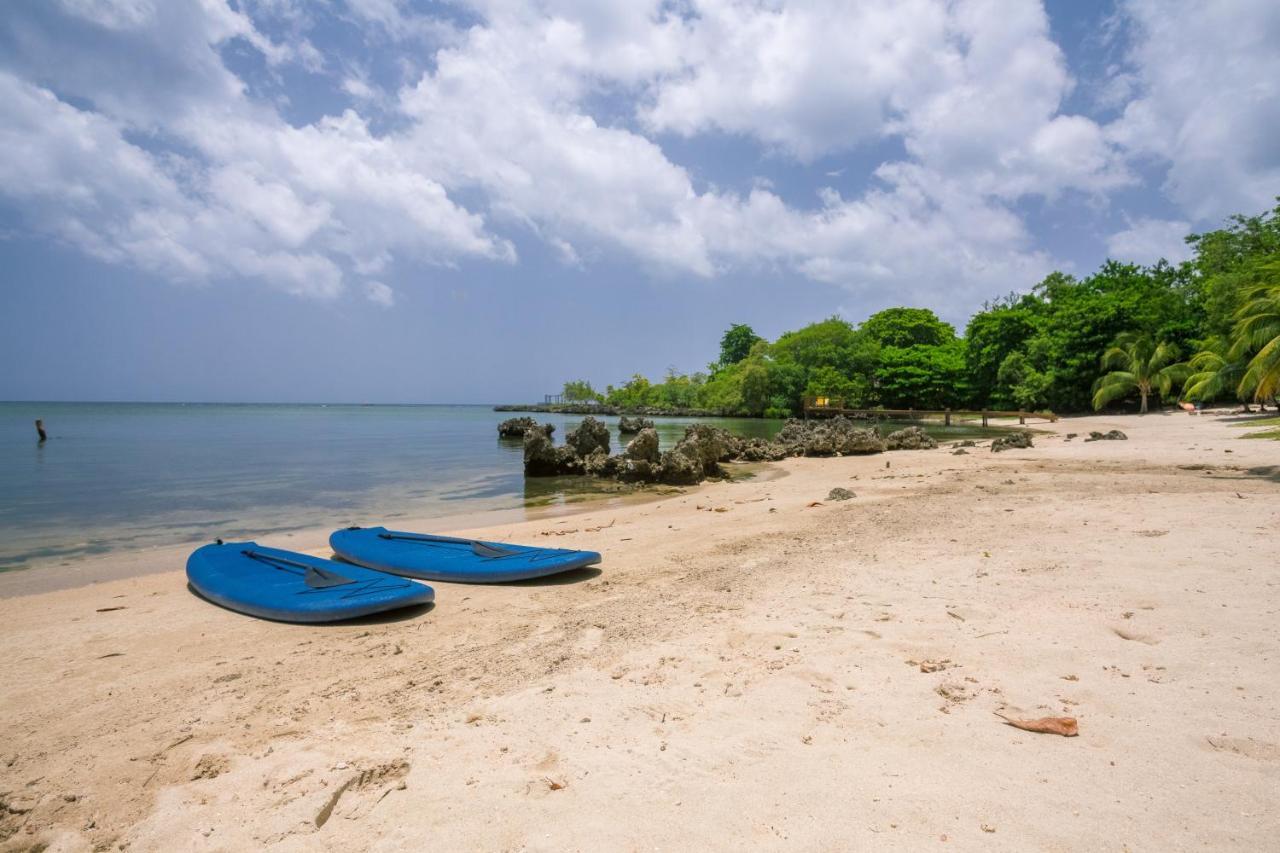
point(1070, 344)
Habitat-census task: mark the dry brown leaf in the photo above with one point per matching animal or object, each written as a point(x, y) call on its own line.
point(1065, 726)
point(815, 503)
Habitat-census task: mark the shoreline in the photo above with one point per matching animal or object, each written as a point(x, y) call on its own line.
point(740, 655)
point(129, 563)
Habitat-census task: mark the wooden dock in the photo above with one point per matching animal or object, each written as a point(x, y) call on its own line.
point(830, 407)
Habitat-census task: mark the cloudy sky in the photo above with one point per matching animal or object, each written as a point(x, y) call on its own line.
point(375, 200)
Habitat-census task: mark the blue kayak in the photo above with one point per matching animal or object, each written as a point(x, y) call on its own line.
point(291, 587)
point(446, 558)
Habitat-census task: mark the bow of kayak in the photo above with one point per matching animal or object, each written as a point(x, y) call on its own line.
point(286, 586)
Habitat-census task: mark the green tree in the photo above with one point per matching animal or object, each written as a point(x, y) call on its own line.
point(1078, 321)
point(826, 381)
point(579, 390)
point(1138, 365)
point(1211, 373)
point(1228, 263)
point(992, 336)
point(1020, 384)
point(907, 327)
point(1257, 331)
point(737, 343)
point(755, 388)
point(634, 393)
point(832, 343)
point(922, 377)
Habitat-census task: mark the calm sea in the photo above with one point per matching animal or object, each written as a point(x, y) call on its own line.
point(135, 475)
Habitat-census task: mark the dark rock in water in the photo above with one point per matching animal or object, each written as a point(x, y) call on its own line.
point(628, 425)
point(839, 494)
point(1113, 435)
point(910, 438)
point(589, 436)
point(517, 427)
point(541, 457)
point(569, 462)
point(708, 446)
point(1012, 441)
point(644, 447)
point(959, 451)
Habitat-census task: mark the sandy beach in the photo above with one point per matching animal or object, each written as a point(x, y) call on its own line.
point(745, 669)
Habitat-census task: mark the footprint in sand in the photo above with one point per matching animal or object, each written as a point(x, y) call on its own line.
point(589, 640)
point(363, 790)
point(1248, 747)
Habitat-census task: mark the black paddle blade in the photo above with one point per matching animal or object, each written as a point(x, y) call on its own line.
point(480, 549)
point(318, 578)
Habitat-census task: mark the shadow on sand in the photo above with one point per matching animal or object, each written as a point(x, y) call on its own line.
point(386, 617)
point(585, 573)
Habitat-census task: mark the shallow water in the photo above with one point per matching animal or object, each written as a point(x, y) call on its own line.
point(133, 475)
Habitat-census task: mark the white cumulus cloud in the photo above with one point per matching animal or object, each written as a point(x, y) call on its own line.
point(1147, 240)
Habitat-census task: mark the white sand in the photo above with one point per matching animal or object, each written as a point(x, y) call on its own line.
point(730, 679)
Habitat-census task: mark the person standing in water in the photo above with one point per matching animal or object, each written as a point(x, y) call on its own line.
point(40, 430)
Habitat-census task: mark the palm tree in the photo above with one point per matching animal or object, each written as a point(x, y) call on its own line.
point(1137, 364)
point(1257, 331)
point(1212, 372)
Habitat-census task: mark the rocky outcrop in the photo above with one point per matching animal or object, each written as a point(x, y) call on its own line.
point(1013, 441)
point(911, 438)
point(627, 426)
point(835, 437)
point(702, 450)
point(1113, 435)
point(541, 458)
point(839, 494)
point(588, 437)
point(641, 460)
point(759, 450)
point(517, 427)
point(698, 455)
point(679, 469)
point(644, 447)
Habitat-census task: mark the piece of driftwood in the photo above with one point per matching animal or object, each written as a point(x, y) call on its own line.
point(1065, 726)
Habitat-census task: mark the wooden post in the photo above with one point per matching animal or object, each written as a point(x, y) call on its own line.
point(947, 418)
point(40, 431)
point(1022, 417)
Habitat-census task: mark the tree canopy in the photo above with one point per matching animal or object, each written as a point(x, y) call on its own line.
point(736, 343)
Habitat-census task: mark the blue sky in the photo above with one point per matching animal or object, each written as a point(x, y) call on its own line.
point(383, 201)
